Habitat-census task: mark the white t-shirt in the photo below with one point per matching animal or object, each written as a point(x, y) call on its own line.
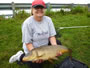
point(37, 33)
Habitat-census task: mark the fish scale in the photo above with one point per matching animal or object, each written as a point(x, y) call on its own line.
point(45, 52)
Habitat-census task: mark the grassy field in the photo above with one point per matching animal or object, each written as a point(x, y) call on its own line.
point(76, 39)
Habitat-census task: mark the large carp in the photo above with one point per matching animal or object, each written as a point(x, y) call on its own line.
point(45, 52)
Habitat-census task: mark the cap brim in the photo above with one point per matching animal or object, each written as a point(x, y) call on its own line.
point(38, 6)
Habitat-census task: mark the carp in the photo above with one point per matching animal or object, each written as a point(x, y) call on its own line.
point(45, 52)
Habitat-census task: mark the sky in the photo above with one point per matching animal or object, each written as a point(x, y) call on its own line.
point(51, 1)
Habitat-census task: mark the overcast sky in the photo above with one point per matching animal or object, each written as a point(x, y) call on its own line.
point(51, 1)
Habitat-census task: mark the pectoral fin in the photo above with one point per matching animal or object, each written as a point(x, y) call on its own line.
point(51, 61)
point(40, 55)
point(55, 58)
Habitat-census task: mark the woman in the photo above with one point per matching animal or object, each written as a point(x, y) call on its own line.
point(37, 30)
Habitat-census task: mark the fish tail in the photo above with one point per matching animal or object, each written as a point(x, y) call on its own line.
point(70, 53)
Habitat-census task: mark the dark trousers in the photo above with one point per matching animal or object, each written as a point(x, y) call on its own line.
point(35, 65)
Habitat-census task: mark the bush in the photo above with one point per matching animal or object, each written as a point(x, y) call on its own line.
point(2, 17)
point(49, 13)
point(78, 9)
point(88, 14)
point(21, 14)
point(62, 11)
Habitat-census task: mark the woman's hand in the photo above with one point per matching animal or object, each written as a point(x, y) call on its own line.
point(38, 61)
point(59, 54)
point(29, 46)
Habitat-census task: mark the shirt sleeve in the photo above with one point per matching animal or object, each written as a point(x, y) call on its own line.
point(52, 31)
point(26, 33)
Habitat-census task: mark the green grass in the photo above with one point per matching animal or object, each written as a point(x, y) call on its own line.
point(76, 39)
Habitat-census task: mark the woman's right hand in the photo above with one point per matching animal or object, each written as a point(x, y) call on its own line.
point(29, 46)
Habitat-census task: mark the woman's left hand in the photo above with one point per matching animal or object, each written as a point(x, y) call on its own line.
point(59, 54)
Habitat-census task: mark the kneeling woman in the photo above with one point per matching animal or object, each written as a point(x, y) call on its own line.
point(37, 30)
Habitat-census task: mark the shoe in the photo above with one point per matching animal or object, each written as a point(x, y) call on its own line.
point(15, 57)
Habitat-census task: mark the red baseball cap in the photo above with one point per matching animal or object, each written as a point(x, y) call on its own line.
point(40, 3)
